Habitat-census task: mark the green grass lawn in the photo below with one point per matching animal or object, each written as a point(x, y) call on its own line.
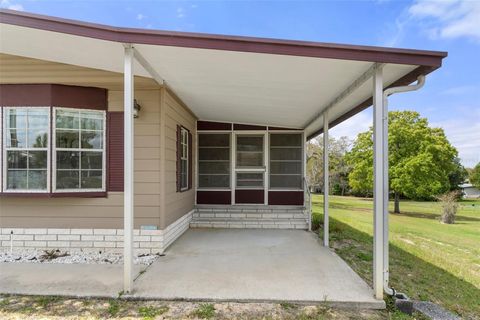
point(428, 260)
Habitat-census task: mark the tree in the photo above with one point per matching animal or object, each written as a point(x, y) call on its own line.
point(420, 159)
point(458, 175)
point(338, 167)
point(315, 163)
point(475, 176)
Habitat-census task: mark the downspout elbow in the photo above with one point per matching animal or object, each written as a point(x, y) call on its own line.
point(414, 87)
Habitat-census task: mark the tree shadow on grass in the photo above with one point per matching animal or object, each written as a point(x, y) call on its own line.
point(430, 216)
point(419, 279)
point(434, 216)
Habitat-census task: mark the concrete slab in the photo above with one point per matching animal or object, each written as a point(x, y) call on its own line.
point(76, 280)
point(253, 265)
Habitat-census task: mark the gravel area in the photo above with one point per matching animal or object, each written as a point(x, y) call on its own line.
point(59, 256)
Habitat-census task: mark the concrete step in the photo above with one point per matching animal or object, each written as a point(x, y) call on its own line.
point(249, 208)
point(248, 223)
point(251, 220)
point(249, 215)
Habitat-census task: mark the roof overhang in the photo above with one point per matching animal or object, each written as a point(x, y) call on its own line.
point(224, 78)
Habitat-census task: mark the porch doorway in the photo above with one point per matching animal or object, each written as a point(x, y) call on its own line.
point(249, 164)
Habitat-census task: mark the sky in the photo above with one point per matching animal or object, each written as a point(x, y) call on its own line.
point(450, 98)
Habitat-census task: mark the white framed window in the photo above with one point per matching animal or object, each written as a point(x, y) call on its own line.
point(79, 150)
point(184, 160)
point(26, 139)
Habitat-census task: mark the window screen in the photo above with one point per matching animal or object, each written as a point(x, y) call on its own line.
point(214, 160)
point(249, 151)
point(249, 180)
point(286, 161)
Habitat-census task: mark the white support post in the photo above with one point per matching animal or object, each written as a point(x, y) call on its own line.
point(233, 155)
point(266, 176)
point(128, 171)
point(379, 182)
point(326, 173)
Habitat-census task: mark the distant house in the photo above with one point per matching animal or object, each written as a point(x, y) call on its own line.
point(469, 191)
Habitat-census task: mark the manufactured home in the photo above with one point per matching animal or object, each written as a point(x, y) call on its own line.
point(122, 139)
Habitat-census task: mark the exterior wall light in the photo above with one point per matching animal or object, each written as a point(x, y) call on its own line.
point(136, 108)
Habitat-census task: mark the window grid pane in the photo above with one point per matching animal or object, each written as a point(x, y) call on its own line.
point(26, 137)
point(79, 150)
point(184, 159)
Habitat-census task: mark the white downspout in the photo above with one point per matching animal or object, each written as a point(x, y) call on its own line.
point(386, 93)
point(379, 119)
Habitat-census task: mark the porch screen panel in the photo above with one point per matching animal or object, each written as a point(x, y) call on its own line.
point(214, 161)
point(286, 161)
point(249, 151)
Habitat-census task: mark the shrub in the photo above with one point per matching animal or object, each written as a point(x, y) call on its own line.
point(150, 312)
point(113, 308)
point(449, 206)
point(317, 220)
point(204, 311)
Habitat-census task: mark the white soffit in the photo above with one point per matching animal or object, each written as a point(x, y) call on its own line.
point(256, 88)
point(64, 48)
point(218, 85)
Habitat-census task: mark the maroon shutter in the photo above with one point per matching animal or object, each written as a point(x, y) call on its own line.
point(190, 160)
point(179, 154)
point(115, 151)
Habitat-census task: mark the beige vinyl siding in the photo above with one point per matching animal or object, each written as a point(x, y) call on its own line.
point(107, 212)
point(154, 205)
point(15, 69)
point(176, 113)
point(147, 144)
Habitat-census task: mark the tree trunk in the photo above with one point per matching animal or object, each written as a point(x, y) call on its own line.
point(397, 203)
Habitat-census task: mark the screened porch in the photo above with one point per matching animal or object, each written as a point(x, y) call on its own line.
point(249, 165)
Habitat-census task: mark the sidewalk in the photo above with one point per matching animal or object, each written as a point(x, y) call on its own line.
point(76, 280)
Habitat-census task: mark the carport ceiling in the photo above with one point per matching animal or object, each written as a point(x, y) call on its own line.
point(221, 78)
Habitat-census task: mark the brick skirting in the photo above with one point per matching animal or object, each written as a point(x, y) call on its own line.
point(92, 240)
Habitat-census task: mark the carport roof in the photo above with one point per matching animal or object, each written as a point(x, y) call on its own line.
point(282, 83)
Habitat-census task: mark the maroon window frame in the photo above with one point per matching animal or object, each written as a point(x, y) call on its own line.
point(54, 95)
